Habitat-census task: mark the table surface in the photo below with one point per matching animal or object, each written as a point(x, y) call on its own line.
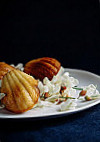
point(81, 127)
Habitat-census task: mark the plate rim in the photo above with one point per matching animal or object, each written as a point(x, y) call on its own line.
point(62, 113)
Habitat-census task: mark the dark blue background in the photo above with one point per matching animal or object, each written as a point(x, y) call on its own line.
point(67, 31)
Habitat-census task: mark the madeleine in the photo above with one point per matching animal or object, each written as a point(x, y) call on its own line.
point(21, 91)
point(4, 68)
point(42, 67)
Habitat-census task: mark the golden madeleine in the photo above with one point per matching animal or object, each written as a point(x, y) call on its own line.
point(42, 67)
point(21, 91)
point(4, 68)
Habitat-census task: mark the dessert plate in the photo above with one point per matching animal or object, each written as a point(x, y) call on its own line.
point(84, 77)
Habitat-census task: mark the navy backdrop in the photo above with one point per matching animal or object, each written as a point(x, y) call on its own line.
point(67, 31)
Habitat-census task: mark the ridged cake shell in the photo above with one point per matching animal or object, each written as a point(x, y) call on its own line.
point(21, 91)
point(42, 67)
point(4, 68)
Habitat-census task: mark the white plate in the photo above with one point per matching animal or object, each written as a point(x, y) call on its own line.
point(84, 77)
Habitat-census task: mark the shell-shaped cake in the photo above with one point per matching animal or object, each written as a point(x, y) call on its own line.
point(4, 68)
point(42, 67)
point(21, 91)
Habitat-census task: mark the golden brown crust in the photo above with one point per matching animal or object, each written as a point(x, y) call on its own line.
point(21, 89)
point(4, 68)
point(42, 67)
